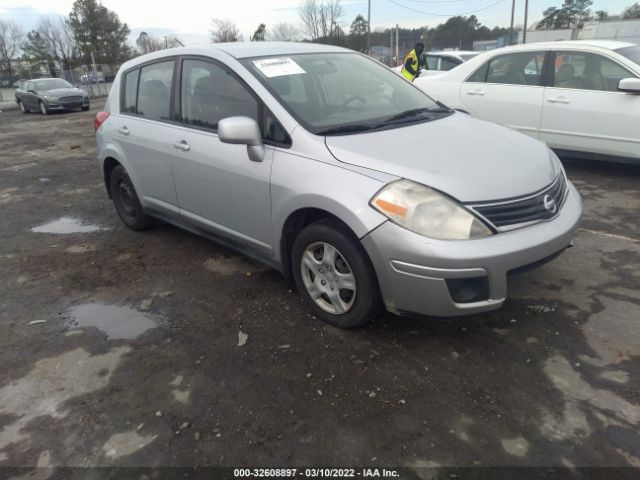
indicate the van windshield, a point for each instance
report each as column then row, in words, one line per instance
column 342, row 93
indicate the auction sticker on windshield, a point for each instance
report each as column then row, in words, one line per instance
column 277, row 67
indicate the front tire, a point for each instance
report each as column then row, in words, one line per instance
column 126, row 200
column 23, row 109
column 43, row 108
column 334, row 275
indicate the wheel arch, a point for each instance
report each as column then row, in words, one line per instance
column 295, row 223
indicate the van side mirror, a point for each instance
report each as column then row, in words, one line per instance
column 631, row 85
column 243, row 131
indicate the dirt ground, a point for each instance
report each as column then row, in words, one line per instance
column 162, row 349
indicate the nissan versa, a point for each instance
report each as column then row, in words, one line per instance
column 334, row 170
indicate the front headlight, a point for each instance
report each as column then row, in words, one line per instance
column 425, row 211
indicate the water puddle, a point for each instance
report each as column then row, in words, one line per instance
column 118, row 322
column 65, row 225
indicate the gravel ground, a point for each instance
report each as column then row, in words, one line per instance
column 161, row 348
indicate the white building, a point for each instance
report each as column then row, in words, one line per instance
column 623, row 30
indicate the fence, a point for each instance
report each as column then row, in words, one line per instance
column 96, row 83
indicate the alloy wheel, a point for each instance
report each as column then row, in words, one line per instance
column 328, row 278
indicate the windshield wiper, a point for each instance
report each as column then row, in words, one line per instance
column 345, row 129
column 415, row 112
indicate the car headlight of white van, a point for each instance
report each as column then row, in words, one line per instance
column 427, row 212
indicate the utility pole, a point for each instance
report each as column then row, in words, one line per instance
column 513, row 12
column 526, row 16
column 397, row 49
column 391, row 49
column 369, row 29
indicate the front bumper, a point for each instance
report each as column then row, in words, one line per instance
column 66, row 106
column 415, row 273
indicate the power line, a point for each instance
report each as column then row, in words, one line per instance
column 448, row 14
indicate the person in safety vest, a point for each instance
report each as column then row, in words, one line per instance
column 411, row 66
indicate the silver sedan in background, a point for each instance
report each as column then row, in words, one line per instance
column 312, row 159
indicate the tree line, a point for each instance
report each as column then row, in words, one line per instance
column 90, row 33
column 574, row 14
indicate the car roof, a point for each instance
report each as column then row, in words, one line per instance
column 606, row 44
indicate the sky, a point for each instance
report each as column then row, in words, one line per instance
column 190, row 20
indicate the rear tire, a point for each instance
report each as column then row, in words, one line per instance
column 84, row 109
column 43, row 108
column 23, row 109
column 334, row 275
column 126, row 200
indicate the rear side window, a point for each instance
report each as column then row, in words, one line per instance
column 209, row 94
column 154, row 90
column 523, row 68
column 130, row 91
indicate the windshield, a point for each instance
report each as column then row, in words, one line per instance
column 339, row 93
column 632, row 53
column 51, row 84
column 468, row 56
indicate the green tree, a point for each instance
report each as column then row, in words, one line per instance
column 632, row 12
column 36, row 51
column 358, row 34
column 572, row 13
column 602, row 15
column 99, row 30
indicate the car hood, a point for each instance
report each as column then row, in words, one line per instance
column 469, row 159
column 63, row 92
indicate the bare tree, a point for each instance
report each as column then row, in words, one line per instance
column 284, row 32
column 11, row 35
column 309, row 12
column 224, row 31
column 58, row 36
column 320, row 17
column 148, row 43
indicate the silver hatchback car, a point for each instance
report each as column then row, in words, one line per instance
column 334, row 170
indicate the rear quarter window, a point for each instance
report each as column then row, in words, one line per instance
column 130, row 93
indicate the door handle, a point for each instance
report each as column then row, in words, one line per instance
column 564, row 100
column 476, row 92
column 182, row 145
column 123, row 131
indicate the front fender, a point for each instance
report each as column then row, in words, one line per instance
column 300, row 183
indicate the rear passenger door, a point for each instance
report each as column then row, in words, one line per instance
column 583, row 109
column 219, row 188
column 508, row 89
column 143, row 133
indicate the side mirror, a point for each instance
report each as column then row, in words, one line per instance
column 242, row 131
column 31, row 90
column 631, row 85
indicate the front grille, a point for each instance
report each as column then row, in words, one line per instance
column 510, row 214
column 70, row 99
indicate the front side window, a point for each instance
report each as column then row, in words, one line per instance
column 632, row 53
column 154, row 90
column 209, row 93
column 341, row 93
column 587, row 71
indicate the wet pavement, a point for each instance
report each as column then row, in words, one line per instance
column 164, row 349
